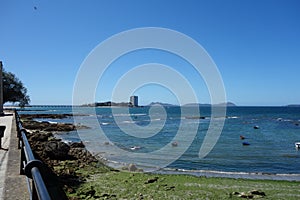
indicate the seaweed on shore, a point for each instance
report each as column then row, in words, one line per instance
column 64, row 163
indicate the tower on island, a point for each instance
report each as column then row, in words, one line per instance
column 134, row 101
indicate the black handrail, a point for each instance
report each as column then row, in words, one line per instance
column 30, row 166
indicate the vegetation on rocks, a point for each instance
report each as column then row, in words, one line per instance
column 63, row 162
column 129, row 185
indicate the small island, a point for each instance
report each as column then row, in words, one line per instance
column 133, row 102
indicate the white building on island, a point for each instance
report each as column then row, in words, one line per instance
column 134, row 101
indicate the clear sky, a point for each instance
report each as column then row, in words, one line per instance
column 254, row 43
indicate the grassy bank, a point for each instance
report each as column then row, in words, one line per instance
column 126, row 185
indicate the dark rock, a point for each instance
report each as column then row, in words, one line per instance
column 249, row 195
column 170, row 188
column 132, row 167
column 37, row 136
column 49, row 116
column 81, row 154
column 57, row 150
column 45, row 126
column 77, row 145
column 235, row 193
column 246, row 143
column 257, row 192
column 151, row 180
column 70, row 190
column 108, row 196
column 246, row 196
column 91, row 192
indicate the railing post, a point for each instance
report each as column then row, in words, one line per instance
column 22, row 165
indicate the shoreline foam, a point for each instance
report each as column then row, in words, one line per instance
column 204, row 173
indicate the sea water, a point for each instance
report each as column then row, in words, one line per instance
column 271, row 150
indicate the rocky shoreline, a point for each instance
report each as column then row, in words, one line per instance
column 31, row 124
column 64, row 162
column 72, row 172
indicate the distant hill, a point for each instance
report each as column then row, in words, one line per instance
column 293, row 105
column 162, row 104
column 228, row 104
column 197, row 104
column 107, row 104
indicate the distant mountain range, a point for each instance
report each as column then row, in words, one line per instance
column 161, row 104
column 293, row 105
column 126, row 104
column 228, row 104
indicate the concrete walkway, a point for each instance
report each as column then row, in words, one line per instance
column 12, row 184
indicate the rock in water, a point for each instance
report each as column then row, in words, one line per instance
column 132, row 167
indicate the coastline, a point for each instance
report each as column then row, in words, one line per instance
column 206, row 173
column 86, row 174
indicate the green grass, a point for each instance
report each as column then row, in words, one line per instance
column 126, row 185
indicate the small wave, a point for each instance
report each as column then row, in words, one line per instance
column 158, row 119
column 233, row 117
column 195, row 117
column 45, row 121
column 283, row 120
column 128, row 115
column 247, row 175
column 128, row 122
column 207, row 173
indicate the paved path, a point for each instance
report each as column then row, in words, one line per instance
column 12, row 184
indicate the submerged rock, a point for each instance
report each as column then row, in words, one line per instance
column 256, row 127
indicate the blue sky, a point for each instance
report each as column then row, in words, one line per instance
column 254, row 43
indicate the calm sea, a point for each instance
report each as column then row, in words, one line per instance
column 146, row 137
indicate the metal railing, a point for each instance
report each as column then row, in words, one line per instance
column 30, row 166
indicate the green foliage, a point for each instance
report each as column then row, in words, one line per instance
column 14, row 90
column 126, row 185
